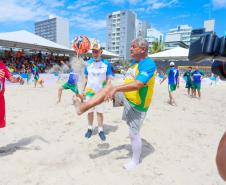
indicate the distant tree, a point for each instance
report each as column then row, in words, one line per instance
column 156, row 47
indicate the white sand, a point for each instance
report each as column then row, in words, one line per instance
column 44, row 144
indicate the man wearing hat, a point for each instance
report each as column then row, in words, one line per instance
column 173, row 82
column 97, row 73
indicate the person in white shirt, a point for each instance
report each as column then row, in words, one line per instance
column 97, row 73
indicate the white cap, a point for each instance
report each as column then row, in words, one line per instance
column 172, row 64
column 95, row 45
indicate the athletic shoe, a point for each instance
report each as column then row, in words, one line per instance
column 102, row 136
column 89, row 133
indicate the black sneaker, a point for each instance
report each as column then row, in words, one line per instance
column 102, row 136
column 88, row 134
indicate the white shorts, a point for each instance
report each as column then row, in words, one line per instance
column 98, row 108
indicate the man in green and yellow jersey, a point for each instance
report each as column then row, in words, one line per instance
column 135, row 95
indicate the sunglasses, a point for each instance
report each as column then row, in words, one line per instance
column 95, row 51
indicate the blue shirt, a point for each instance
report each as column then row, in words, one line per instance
column 35, row 71
column 197, row 75
column 146, row 69
column 173, row 74
column 73, row 78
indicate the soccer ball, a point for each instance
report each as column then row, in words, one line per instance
column 81, row 45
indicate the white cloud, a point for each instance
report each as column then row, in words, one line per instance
column 14, row 11
column 80, row 3
column 141, row 9
column 53, row 3
column 157, row 4
column 219, row 3
column 133, row 1
column 27, row 10
column 153, row 4
column 182, row 16
column 88, row 23
column 88, row 8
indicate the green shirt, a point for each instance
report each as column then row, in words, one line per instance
column 187, row 75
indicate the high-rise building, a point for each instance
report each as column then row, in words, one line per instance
column 55, row 29
column 208, row 29
column 176, row 36
column 209, row 25
column 153, row 35
column 120, row 32
column 141, row 28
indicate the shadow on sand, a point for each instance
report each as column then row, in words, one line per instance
column 20, row 145
column 107, row 129
column 147, row 149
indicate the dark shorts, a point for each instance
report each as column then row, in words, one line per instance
column 188, row 85
column 132, row 116
column 74, row 88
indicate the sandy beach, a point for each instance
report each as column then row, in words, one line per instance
column 44, row 144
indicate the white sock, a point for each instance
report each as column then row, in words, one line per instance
column 100, row 129
column 90, row 127
column 130, row 165
column 136, row 150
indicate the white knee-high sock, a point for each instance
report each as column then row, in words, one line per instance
column 136, row 146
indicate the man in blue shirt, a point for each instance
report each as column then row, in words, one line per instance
column 173, row 82
column 196, row 77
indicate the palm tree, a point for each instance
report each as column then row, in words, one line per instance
column 156, row 47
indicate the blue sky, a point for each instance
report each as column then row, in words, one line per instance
column 88, row 17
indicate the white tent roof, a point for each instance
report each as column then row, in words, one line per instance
column 28, row 40
column 175, row 53
column 106, row 53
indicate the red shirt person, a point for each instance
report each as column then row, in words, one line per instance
column 5, row 74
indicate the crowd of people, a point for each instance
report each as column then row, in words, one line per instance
column 21, row 62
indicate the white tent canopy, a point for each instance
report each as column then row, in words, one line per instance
column 175, row 53
column 27, row 40
column 106, row 54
